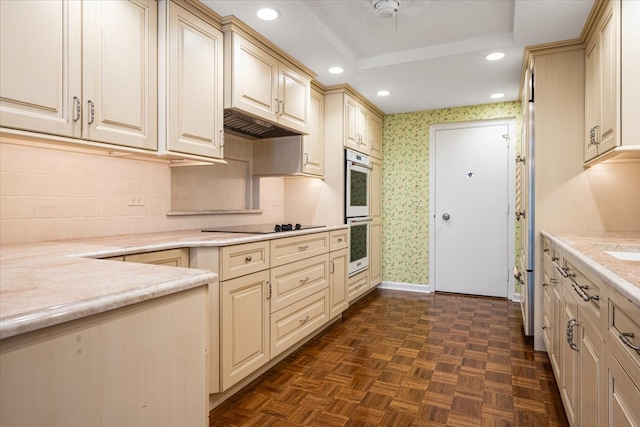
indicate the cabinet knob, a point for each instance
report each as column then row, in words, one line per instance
column 248, row 258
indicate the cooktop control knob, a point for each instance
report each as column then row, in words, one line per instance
column 298, row 227
column 277, row 228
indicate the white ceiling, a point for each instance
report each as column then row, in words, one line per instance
column 435, row 57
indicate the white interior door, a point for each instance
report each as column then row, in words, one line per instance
column 470, row 209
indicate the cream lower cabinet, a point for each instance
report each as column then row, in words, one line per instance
column 358, row 284
column 598, row 373
column 273, row 294
column 244, row 326
column 338, row 270
column 171, row 257
column 191, row 101
column 140, row 365
column 96, row 73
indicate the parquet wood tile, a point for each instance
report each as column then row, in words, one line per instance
column 402, row 359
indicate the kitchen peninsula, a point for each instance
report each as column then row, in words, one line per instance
column 95, row 334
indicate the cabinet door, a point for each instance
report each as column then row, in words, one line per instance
column 590, row 356
column 244, row 327
column 195, row 85
column 592, row 100
column 171, row 257
column 557, row 329
column 622, row 396
column 375, row 252
column 254, row 74
column 338, row 292
column 40, row 82
column 313, row 161
column 119, row 60
column 569, row 360
column 608, row 40
column 374, row 132
column 362, row 127
column 293, row 95
column 375, row 189
column 351, row 137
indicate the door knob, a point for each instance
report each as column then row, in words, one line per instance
column 446, row 216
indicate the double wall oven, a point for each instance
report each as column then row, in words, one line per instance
column 357, row 209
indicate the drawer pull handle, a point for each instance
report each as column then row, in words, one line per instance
column 305, row 320
column 561, row 271
column 303, row 247
column 553, row 280
column 624, row 337
column 248, row 258
column 545, row 327
column 304, row 279
column 546, row 250
column 580, row 290
column 339, row 239
column 544, row 285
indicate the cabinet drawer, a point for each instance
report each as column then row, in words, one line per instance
column 290, row 249
column 358, row 285
column 588, row 290
column 171, row 257
column 338, row 239
column 292, row 282
column 291, row 324
column 623, row 320
column 247, row 258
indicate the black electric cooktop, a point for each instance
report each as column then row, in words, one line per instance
column 261, row 228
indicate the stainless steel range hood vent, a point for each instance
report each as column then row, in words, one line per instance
column 254, row 128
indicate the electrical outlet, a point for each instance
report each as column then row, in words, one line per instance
column 136, row 200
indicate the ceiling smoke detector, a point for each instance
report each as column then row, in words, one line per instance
column 385, row 8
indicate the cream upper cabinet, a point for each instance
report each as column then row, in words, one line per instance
column 81, row 69
column 313, row 162
column 119, row 65
column 262, row 83
column 44, row 98
column 612, row 89
column 353, row 120
column 192, row 99
column 374, row 134
column 251, row 79
column 601, row 108
column 294, row 155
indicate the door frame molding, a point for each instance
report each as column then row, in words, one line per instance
column 511, row 228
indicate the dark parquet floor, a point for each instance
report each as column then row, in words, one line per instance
column 407, row 359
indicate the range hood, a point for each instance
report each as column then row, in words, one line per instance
column 246, row 125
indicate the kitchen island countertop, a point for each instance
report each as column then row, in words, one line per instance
column 48, row 283
column 590, row 247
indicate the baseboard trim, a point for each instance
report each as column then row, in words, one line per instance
column 407, row 287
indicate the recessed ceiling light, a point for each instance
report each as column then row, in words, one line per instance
column 268, row 14
column 383, row 93
column 336, row 70
column 494, row 56
column 497, row 95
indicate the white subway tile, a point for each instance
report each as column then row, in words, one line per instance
column 24, row 207
column 70, row 207
column 48, row 208
column 91, row 207
column 11, row 231
column 36, row 230
column 5, row 208
column 80, row 187
column 80, row 228
column 36, row 185
column 59, row 229
column 12, row 185
column 59, row 186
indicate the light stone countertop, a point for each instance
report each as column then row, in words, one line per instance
column 589, row 247
column 45, row 284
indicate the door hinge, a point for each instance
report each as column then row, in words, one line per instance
column 507, row 138
column 508, row 208
column 269, row 283
column 520, row 159
column 508, row 275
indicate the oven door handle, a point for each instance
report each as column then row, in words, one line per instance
column 358, row 220
column 354, row 165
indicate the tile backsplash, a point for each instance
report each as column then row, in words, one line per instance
column 51, row 194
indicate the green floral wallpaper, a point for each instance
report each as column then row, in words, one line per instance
column 405, row 181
